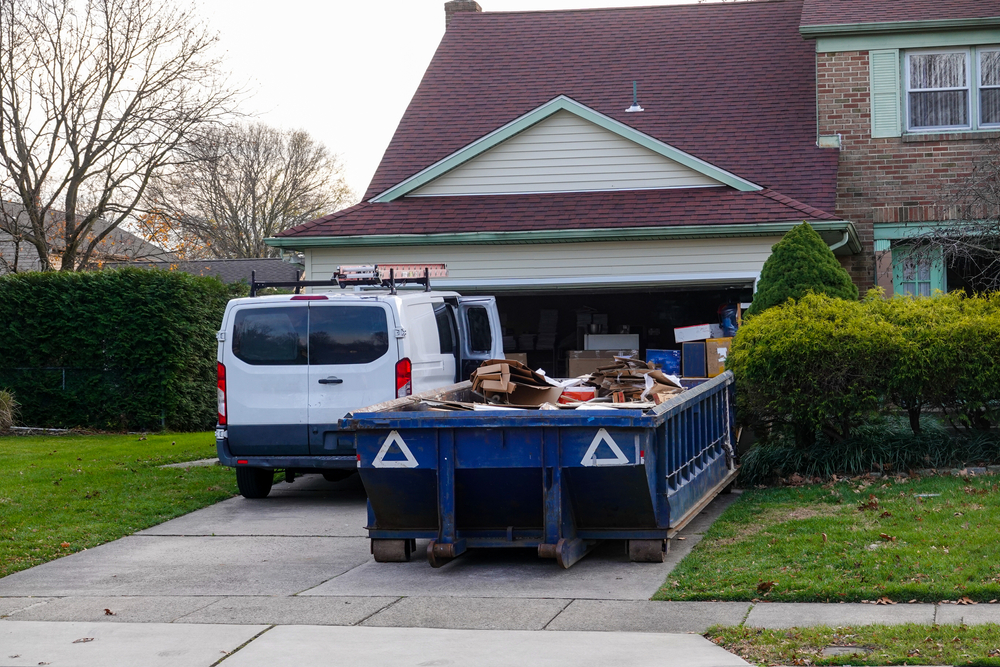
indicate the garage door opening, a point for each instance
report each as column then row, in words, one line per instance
column 547, row 327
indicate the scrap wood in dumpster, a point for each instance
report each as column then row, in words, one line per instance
column 627, row 383
column 633, row 380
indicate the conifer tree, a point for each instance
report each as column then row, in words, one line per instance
column 800, row 263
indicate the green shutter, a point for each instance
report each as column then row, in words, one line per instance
column 918, row 273
column 885, row 96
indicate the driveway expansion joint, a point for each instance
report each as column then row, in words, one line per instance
column 380, row 610
column 241, row 646
column 568, row 603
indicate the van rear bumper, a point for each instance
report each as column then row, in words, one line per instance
column 227, row 458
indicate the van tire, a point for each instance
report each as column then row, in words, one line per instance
column 254, row 482
column 337, row 475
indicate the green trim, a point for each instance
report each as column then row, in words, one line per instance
column 896, row 26
column 567, row 236
column 924, row 40
column 561, row 103
column 893, row 231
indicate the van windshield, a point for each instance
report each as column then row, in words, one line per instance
column 347, row 334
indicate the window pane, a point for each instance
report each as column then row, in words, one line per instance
column 271, row 336
column 990, row 107
column 937, row 70
column 347, row 335
column 924, row 289
column 924, row 270
column 480, row 337
column 942, row 109
column 989, row 68
column 909, row 289
column 442, row 313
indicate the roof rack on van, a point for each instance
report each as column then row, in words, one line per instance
column 346, row 276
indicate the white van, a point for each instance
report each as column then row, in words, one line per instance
column 291, row 366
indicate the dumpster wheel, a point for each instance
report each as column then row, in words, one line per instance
column 392, row 551
column 647, row 551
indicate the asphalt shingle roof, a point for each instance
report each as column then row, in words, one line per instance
column 840, row 12
column 730, row 83
column 576, row 210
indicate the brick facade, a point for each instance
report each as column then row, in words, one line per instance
column 899, row 179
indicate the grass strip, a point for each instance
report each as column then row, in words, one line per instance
column 62, row 494
column 908, row 644
column 859, row 540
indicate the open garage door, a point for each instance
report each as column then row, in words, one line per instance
column 548, row 328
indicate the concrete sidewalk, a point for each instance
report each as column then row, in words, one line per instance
column 178, row 645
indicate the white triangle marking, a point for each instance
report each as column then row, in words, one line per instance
column 394, row 438
column 590, row 458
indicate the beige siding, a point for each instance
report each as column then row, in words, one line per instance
column 539, row 266
column 564, row 153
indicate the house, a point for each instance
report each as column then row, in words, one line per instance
column 912, row 89
column 18, row 255
column 631, row 168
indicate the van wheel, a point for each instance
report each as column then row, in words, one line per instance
column 254, row 482
column 337, row 475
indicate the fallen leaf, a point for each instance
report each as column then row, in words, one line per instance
column 887, row 538
column 83, row 640
column 966, row 600
column 65, row 545
column 884, row 600
column 108, row 612
column 765, row 586
column 824, row 537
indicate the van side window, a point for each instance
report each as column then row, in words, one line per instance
column 446, row 327
column 347, row 334
column 270, row 336
column 480, row 338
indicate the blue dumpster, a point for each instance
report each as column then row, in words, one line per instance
column 556, row 480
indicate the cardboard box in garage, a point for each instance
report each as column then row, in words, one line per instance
column 716, row 351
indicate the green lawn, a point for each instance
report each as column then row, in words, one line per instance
column 63, row 494
column 852, row 541
column 886, row 645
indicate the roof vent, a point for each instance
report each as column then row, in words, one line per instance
column 635, row 100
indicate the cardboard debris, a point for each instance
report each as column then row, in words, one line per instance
column 505, row 381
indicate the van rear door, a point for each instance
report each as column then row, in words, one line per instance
column 266, row 384
column 479, row 329
column 352, row 363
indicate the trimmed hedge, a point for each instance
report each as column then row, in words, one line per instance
column 117, row 349
column 825, row 365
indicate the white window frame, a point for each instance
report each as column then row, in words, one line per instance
column 979, row 84
column 970, row 76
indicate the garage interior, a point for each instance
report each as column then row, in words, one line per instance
column 547, row 326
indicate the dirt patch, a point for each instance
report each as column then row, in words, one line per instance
column 776, row 516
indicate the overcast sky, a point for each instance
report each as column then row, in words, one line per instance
column 341, row 70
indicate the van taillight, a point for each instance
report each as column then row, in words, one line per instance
column 404, row 378
column 221, row 385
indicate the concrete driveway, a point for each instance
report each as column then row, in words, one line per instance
column 301, row 558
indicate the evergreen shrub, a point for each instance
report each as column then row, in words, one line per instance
column 116, row 350
column 800, row 263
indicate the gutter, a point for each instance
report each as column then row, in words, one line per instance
column 571, row 236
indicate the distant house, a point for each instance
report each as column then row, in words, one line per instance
column 18, row 255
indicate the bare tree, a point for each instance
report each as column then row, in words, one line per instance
column 247, row 182
column 969, row 239
column 96, row 96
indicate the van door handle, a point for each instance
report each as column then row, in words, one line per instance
column 331, row 380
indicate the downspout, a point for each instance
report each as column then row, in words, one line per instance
column 841, row 243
